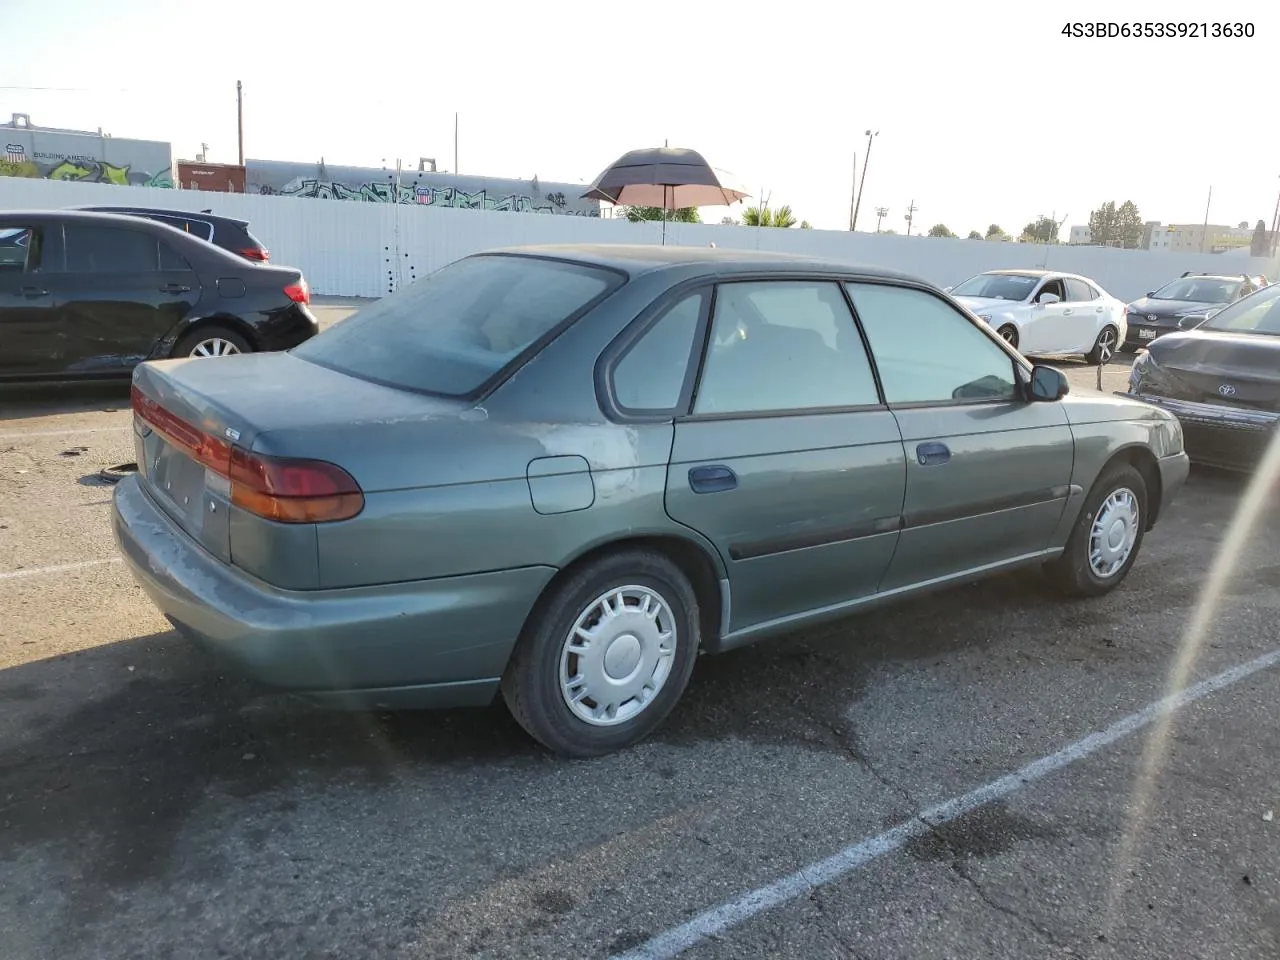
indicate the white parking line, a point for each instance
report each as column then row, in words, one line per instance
column 21, row 434
column 58, row 568
column 675, row 941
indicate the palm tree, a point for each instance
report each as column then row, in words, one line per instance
column 764, row 217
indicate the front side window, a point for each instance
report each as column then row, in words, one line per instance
column 783, row 345
column 650, row 376
column 94, row 249
column 927, row 351
column 453, row 330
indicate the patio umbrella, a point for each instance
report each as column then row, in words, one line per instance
column 668, row 177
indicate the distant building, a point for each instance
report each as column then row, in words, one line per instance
column 51, row 153
column 1195, row 237
column 420, row 187
column 210, row 177
column 1080, row 235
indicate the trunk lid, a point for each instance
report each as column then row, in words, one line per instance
column 1224, row 368
column 206, row 407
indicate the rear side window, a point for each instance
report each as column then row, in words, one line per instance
column 452, row 331
column 651, row 374
column 109, row 250
column 17, row 249
column 1078, row 291
column 171, row 259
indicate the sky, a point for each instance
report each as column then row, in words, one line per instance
column 986, row 113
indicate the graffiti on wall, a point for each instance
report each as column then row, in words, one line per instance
column 385, row 191
column 16, row 162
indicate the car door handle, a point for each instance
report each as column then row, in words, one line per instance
column 712, row 479
column 1066, row 312
column 930, row 454
column 33, row 292
column 175, row 288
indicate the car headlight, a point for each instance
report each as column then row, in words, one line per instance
column 985, row 316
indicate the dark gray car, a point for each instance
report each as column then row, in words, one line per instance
column 562, row 472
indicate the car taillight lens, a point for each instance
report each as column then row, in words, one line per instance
column 286, row 490
column 298, row 292
column 255, row 253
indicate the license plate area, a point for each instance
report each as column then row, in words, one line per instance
column 195, row 497
column 1146, row 333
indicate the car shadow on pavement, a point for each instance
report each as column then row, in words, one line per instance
column 31, row 401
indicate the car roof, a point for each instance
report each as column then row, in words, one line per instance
column 163, row 211
column 642, row 258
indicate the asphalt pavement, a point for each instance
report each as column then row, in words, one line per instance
column 960, row 777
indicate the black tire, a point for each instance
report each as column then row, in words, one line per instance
column 188, row 344
column 531, row 683
column 1009, row 333
column 1072, row 572
column 1105, row 347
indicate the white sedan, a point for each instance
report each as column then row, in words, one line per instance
column 1040, row 312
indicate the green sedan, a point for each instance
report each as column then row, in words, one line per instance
column 560, row 473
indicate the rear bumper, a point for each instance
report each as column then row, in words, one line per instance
column 287, row 328
column 432, row 643
column 1233, row 438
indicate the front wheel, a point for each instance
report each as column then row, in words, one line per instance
column 1009, row 334
column 605, row 657
column 1106, row 539
column 1104, row 348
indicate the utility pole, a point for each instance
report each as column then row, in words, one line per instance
column 455, row 141
column 203, row 154
column 911, row 212
column 881, row 213
column 1275, row 227
column 240, row 120
column 853, row 191
column 1204, row 234
column 866, row 160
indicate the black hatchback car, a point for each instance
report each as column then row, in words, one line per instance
column 229, row 233
column 1191, row 297
column 88, row 296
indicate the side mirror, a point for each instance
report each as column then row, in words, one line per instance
column 1047, row 298
column 1048, row 384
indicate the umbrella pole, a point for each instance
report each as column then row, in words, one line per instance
column 665, row 202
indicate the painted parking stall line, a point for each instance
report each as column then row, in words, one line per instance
column 673, row 942
column 24, row 434
column 57, row 568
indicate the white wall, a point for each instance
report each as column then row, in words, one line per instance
column 366, row 249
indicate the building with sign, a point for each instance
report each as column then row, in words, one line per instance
column 51, row 153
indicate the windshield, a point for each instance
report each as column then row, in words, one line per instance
column 996, row 286
column 1199, row 290
column 1257, row 313
column 453, row 330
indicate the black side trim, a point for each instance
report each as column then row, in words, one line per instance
column 977, row 508
column 814, row 538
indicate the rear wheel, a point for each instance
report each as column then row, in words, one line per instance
column 212, row 341
column 605, row 656
column 1104, row 348
column 1009, row 334
column 1107, row 536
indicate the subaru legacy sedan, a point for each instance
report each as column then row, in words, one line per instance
column 557, row 474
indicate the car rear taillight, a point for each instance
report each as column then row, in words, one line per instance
column 286, row 490
column 255, row 253
column 298, row 292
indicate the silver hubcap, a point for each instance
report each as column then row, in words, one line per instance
column 1010, row 335
column 1114, row 532
column 214, row 347
column 618, row 655
column 1106, row 345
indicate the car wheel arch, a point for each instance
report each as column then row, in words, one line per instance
column 696, row 561
column 213, row 320
column 1144, row 461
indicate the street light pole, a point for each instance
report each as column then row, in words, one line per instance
column 865, row 160
column 853, row 191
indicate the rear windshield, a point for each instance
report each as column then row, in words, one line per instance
column 453, row 330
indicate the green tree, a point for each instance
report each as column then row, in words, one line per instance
column 764, row 217
column 1042, row 230
column 940, row 230
column 729, row 221
column 682, row 215
column 806, row 225
column 1113, row 226
column 995, row 232
column 1258, row 245
column 974, row 235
